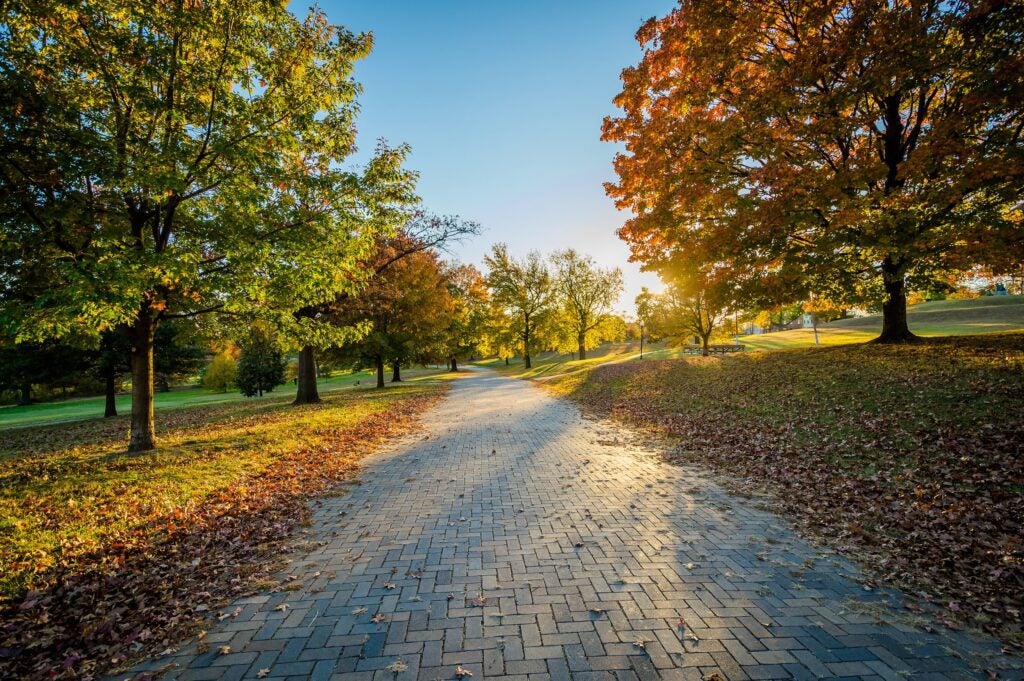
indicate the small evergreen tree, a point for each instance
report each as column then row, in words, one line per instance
column 261, row 367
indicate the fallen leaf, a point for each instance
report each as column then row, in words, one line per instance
column 397, row 667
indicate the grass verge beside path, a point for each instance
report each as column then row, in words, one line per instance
column 547, row 365
column 106, row 555
column 83, row 408
column 909, row 457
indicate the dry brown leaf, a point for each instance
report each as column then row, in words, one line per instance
column 397, row 667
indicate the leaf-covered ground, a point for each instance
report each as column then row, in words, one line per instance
column 106, row 555
column 909, row 458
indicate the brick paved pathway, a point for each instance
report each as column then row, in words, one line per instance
column 524, row 542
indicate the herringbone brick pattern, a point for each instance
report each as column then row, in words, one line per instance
column 517, row 540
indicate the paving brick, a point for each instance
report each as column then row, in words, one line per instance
column 492, row 498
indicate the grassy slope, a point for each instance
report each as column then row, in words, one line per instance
column 911, row 455
column 990, row 314
column 92, row 407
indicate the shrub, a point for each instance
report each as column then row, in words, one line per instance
column 220, row 373
column 261, row 367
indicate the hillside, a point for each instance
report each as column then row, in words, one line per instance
column 990, row 314
column 906, row 456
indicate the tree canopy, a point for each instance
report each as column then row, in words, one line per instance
column 405, row 310
column 524, row 291
column 587, row 293
column 162, row 161
column 847, row 148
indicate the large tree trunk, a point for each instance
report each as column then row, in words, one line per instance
column 143, row 435
column 396, row 372
column 705, row 342
column 455, row 364
column 581, row 341
column 110, row 409
column 506, row 361
column 894, row 309
column 306, row 380
column 26, row 394
column 380, row 371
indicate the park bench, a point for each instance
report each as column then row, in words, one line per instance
column 716, row 349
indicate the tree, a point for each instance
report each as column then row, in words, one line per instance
column 691, row 305
column 176, row 354
column 220, row 374
column 850, row 148
column 819, row 309
column 470, row 311
column 420, row 232
column 499, row 339
column 24, row 365
column 587, row 293
column 112, row 361
column 404, row 310
column 261, row 366
column 166, row 161
column 524, row 289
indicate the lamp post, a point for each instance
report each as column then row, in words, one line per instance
column 641, row 340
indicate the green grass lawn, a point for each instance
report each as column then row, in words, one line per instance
column 92, row 407
column 990, row 314
column 97, row 544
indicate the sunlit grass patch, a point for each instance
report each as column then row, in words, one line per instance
column 912, row 454
column 70, row 489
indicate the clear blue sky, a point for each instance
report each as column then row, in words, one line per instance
column 502, row 103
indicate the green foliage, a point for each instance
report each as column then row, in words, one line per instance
column 467, row 330
column 50, row 364
column 406, row 309
column 523, row 291
column 193, row 149
column 586, row 294
column 170, row 160
column 219, row 376
column 261, row 368
column 176, row 351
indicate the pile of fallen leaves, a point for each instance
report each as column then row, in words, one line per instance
column 154, row 582
column 911, row 457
